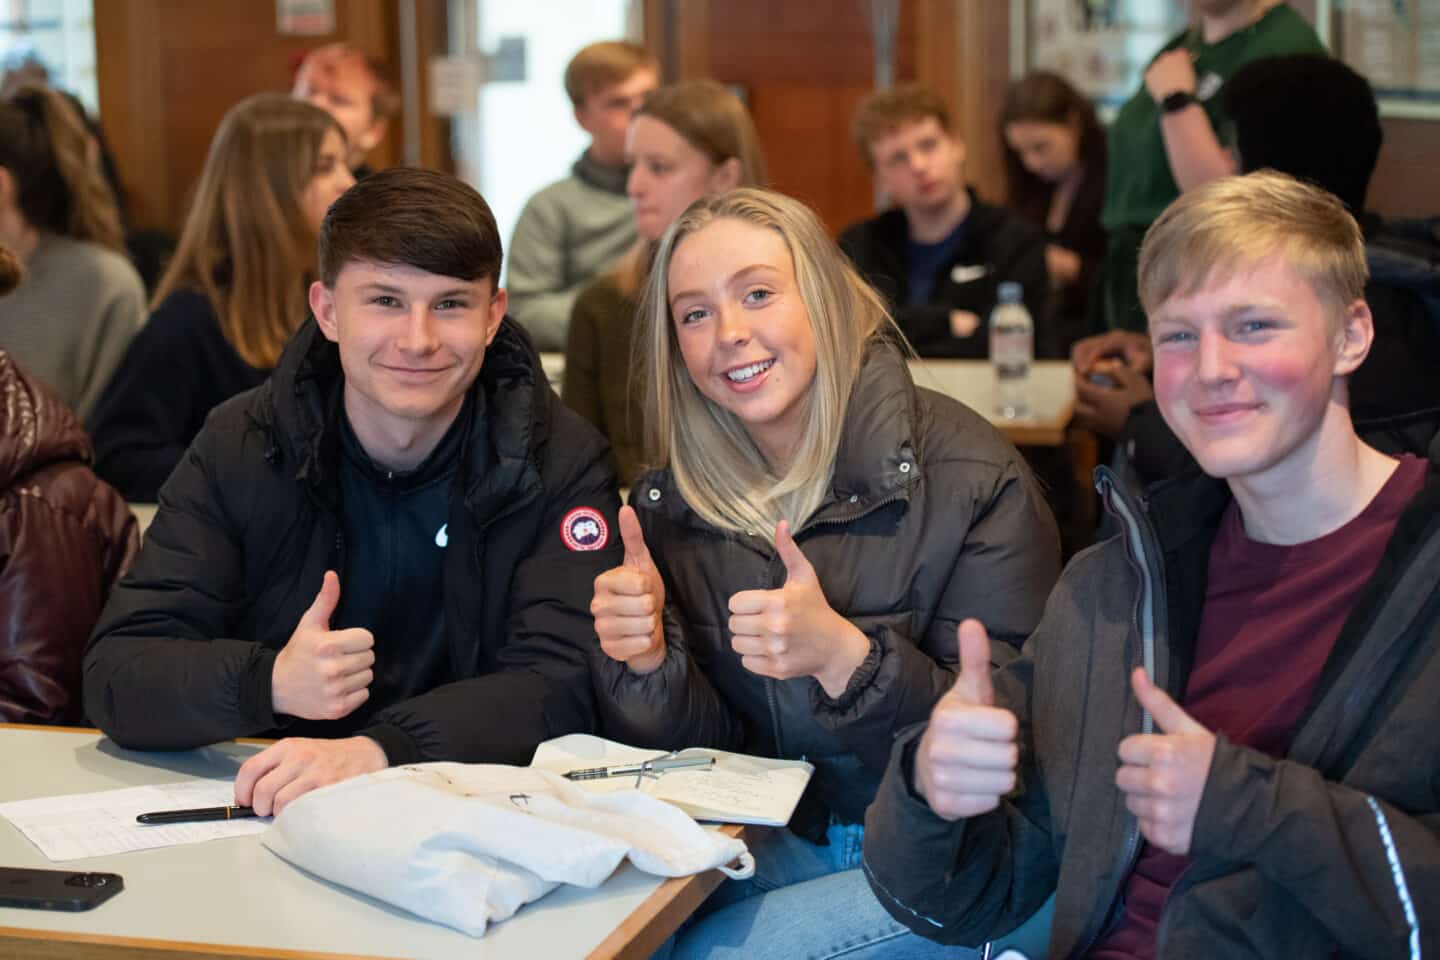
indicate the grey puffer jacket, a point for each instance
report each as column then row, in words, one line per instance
column 1333, row 850
column 932, row 517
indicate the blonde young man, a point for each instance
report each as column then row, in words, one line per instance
column 939, row 255
column 1222, row 741
column 576, row 228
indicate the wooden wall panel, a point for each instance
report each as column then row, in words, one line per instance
column 170, row 69
column 1405, row 184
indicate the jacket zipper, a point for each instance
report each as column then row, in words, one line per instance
column 1144, row 625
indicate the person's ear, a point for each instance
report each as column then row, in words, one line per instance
column 322, row 304
column 498, row 303
column 8, row 190
column 1353, row 339
column 726, row 176
column 959, row 150
column 372, row 136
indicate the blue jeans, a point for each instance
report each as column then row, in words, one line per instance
column 805, row 901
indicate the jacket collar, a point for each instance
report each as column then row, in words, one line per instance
column 610, row 179
column 877, row 457
column 509, row 422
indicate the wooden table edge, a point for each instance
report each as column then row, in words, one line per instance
column 96, row 731
column 649, row 925
column 55, row 944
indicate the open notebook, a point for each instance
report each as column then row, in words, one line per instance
column 737, row 789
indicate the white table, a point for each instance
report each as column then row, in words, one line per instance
column 972, row 382
column 234, row 898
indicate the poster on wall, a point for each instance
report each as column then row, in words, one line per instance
column 1100, row 46
column 1396, row 44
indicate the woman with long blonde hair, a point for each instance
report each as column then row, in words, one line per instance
column 798, row 564
column 81, row 302
column 234, row 292
column 688, row 140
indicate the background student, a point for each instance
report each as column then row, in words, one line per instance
column 1055, row 178
column 233, row 293
column 577, row 227
column 352, row 87
column 1166, row 138
column 80, row 303
column 796, row 567
column 688, row 140
column 65, row 538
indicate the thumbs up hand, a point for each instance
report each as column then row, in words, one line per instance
column 323, row 674
column 628, row 601
column 1163, row 774
column 793, row 631
column 967, row 756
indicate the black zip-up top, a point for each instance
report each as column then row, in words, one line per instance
column 1333, row 850
column 253, row 516
column 932, row 517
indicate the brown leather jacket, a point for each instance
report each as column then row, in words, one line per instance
column 65, row 538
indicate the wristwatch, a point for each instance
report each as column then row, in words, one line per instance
column 1178, row 100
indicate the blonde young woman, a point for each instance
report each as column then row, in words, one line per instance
column 688, row 140
column 70, row 319
column 234, row 291
column 797, row 567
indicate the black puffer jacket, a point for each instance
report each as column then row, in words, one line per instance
column 249, row 522
column 932, row 517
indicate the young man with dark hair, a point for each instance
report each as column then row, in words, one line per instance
column 576, row 228
column 1222, row 740
column 940, row 255
column 389, row 545
column 354, row 89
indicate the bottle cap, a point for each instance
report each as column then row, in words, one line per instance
column 1010, row 292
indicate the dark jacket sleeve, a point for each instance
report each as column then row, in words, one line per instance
column 163, row 670
column 1365, row 870
column 676, row 706
column 542, row 687
column 970, row 880
column 581, row 388
column 62, row 547
column 1002, row 574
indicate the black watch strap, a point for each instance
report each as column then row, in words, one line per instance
column 1178, row 100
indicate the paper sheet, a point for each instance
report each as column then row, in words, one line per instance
column 738, row 789
column 100, row 824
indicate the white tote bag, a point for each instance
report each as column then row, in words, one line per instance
column 467, row 845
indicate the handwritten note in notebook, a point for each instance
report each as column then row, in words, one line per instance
column 737, row 789
column 99, row 824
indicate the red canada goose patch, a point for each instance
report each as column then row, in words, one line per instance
column 584, row 528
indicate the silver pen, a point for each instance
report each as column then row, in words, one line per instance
column 640, row 768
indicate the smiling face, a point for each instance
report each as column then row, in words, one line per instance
column 1247, row 369
column 411, row 344
column 743, row 330
column 331, row 178
column 667, row 174
column 917, row 165
column 1050, row 151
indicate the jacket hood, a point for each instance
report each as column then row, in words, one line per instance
column 877, row 452
column 511, row 409
column 36, row 428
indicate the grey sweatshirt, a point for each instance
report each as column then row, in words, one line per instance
column 568, row 233
column 71, row 318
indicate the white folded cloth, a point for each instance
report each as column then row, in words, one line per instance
column 467, row 845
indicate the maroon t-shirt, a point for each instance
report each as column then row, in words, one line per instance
column 1265, row 605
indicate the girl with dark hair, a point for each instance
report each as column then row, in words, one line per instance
column 1055, row 175
column 81, row 302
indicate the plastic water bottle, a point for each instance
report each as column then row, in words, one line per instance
column 1012, row 350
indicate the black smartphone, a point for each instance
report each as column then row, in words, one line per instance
column 56, row 889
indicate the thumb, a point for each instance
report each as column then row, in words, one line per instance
column 1169, row 716
column 974, row 684
column 636, row 553
column 796, row 566
column 325, row 602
